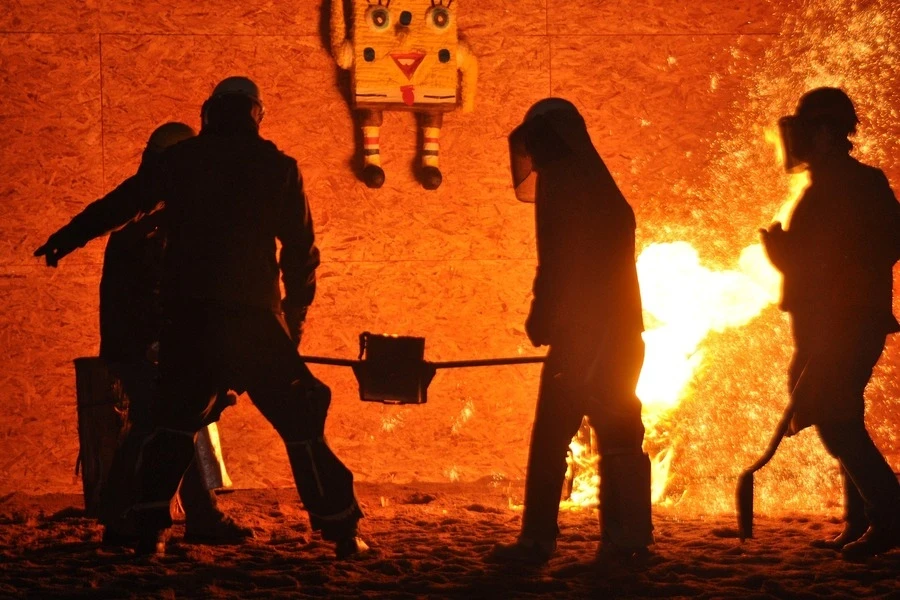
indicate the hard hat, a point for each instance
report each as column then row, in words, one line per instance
column 241, row 86
column 167, row 135
column 235, row 86
column 830, row 105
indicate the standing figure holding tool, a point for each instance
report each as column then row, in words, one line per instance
column 837, row 259
column 587, row 309
column 228, row 195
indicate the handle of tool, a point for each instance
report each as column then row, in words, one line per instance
column 487, row 362
column 780, row 430
column 324, row 360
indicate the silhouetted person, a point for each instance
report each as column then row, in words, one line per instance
column 130, row 324
column 837, row 259
column 587, row 308
column 228, row 195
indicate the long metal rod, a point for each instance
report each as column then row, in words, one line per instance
column 487, row 362
column 451, row 364
column 324, row 360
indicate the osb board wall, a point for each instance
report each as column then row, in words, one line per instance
column 676, row 96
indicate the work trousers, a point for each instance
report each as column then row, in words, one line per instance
column 205, row 348
column 580, row 380
column 828, row 375
column 137, row 380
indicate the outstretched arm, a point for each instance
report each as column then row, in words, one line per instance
column 131, row 199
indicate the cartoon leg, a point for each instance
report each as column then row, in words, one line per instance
column 431, row 135
column 372, row 174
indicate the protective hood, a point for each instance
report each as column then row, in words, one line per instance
column 552, row 130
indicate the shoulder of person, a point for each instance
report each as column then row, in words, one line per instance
column 270, row 147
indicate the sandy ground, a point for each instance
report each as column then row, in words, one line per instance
column 428, row 541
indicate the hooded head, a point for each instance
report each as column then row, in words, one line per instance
column 552, row 130
column 822, row 121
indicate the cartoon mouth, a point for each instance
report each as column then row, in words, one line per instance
column 408, row 62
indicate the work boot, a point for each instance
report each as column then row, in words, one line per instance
column 851, row 533
column 350, row 546
column 525, row 550
column 221, row 532
column 877, row 539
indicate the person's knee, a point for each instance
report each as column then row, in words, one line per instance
column 309, row 410
column 619, row 428
column 839, row 437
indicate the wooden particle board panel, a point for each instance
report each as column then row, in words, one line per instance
column 66, row 16
column 50, row 318
column 52, row 140
column 629, row 17
column 207, row 17
column 657, row 111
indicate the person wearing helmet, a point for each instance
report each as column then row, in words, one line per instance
column 130, row 323
column 587, row 309
column 837, row 260
column 228, row 196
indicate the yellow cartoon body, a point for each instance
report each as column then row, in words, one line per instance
column 404, row 55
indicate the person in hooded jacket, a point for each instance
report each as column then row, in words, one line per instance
column 130, row 323
column 587, row 308
column 837, row 260
column 228, row 195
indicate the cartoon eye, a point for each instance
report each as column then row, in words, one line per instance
column 380, row 18
column 439, row 17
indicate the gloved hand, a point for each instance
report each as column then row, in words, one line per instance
column 775, row 242
column 58, row 245
column 295, row 317
column 536, row 328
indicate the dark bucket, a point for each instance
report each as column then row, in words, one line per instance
column 102, row 419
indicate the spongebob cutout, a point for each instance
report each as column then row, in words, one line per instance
column 404, row 55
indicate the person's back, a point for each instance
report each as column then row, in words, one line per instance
column 845, row 234
column 229, row 195
column 586, row 249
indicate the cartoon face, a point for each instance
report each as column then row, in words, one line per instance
column 405, row 54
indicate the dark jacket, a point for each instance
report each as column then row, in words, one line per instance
column 842, row 243
column 130, row 308
column 586, row 286
column 227, row 199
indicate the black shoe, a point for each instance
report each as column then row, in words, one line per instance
column 431, row 178
column 850, row 534
column 524, row 550
column 373, row 176
column 877, row 539
column 223, row 532
column 351, row 546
